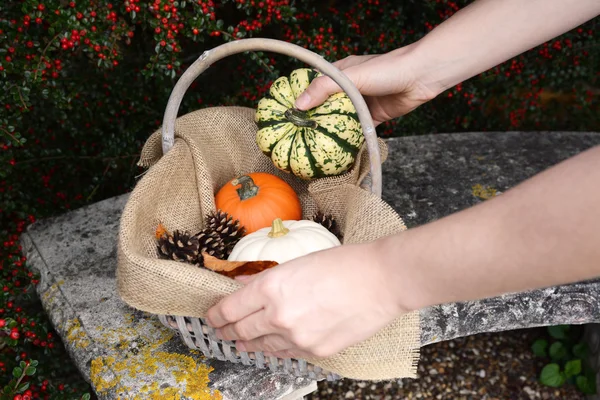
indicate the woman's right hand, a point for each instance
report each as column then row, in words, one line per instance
column 388, row 82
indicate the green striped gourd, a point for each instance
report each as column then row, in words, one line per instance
column 319, row 142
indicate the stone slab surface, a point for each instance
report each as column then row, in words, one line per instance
column 128, row 354
column 125, row 353
column 429, row 177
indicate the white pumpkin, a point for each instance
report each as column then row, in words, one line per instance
column 283, row 241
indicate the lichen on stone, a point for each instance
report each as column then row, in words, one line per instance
column 484, row 192
column 137, row 358
column 75, row 334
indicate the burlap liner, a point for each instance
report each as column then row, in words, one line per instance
column 213, row 146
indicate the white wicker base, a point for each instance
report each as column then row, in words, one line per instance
column 198, row 335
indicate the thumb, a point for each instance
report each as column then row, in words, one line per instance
column 316, row 93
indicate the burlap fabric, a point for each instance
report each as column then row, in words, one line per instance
column 213, row 146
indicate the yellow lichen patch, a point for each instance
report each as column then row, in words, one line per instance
column 136, row 354
column 51, row 292
column 192, row 380
column 102, row 377
column 76, row 334
column 484, row 192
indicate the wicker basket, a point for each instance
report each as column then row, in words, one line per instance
column 195, row 333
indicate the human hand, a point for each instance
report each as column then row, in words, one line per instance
column 389, row 83
column 310, row 307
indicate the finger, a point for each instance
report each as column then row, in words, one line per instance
column 316, row 93
column 291, row 353
column 245, row 279
column 249, row 328
column 323, row 87
column 268, row 343
column 351, row 61
column 236, row 306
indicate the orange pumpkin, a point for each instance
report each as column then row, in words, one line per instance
column 257, row 199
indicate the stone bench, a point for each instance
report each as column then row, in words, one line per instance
column 129, row 354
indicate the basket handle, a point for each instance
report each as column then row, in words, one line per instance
column 289, row 49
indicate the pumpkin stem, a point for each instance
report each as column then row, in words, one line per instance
column 299, row 118
column 278, row 229
column 248, row 188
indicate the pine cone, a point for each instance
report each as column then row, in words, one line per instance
column 179, row 246
column 211, row 243
column 328, row 222
column 228, row 229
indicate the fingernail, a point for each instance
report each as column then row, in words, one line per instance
column 303, row 101
column 240, row 346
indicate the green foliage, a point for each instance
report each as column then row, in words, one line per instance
column 84, row 83
column 552, row 376
column 540, row 347
column 567, row 359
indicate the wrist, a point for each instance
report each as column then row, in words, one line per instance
column 418, row 67
column 432, row 72
column 397, row 257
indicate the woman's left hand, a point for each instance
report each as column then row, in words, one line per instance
column 311, row 307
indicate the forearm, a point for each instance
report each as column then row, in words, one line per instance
column 543, row 232
column 489, row 32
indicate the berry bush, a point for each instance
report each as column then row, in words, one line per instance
column 84, row 82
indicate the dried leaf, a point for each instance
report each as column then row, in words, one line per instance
column 160, row 231
column 236, row 268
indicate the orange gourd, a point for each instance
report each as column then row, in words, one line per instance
column 258, row 198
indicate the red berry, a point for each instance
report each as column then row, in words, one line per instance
column 61, row 387
column 2, row 323
column 18, row 397
column 14, row 335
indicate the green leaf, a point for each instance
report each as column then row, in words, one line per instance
column 539, row 347
column 559, row 331
column 17, row 372
column 86, row 396
column 23, row 364
column 34, row 363
column 551, row 376
column 573, row 368
column 587, row 386
column 30, row 371
column 558, row 351
column 23, row 387
column 580, row 350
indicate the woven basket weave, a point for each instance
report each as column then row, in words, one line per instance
column 180, row 294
